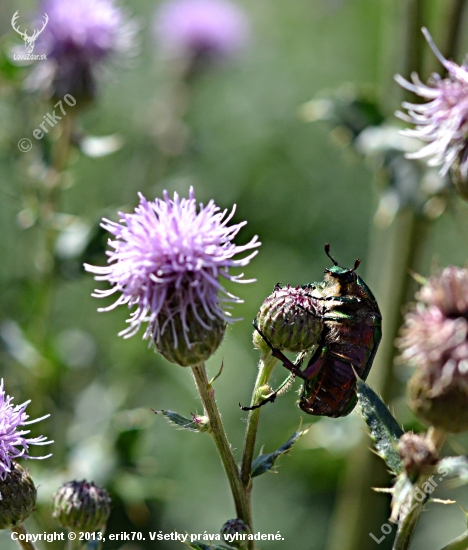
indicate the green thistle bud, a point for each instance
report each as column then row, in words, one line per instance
column 18, row 497
column 291, row 319
column 204, row 340
column 446, row 409
column 81, row 506
column 233, row 531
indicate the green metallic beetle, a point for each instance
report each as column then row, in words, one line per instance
column 352, row 330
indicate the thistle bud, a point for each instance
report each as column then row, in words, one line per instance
column 191, row 340
column 291, row 319
column 18, row 497
column 418, row 454
column 81, row 506
column 234, row 532
column 434, row 339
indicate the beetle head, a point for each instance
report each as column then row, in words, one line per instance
column 344, row 274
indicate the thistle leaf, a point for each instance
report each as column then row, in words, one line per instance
column 454, row 467
column 194, row 424
column 265, row 462
column 384, row 429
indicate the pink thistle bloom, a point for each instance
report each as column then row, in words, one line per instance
column 80, row 39
column 12, row 418
column 167, row 260
column 442, row 121
column 213, row 28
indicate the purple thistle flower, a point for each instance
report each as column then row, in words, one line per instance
column 443, row 120
column 201, row 28
column 81, row 35
column 167, row 260
column 11, row 418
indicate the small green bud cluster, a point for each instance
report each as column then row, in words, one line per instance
column 81, row 506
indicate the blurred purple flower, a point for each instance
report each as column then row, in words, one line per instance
column 11, row 418
column 167, row 259
column 80, row 36
column 443, row 120
column 210, row 29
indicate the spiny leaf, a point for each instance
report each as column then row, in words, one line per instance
column 384, row 429
column 265, row 462
column 194, row 424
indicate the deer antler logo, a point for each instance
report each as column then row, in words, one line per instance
column 29, row 41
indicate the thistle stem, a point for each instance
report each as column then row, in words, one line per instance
column 20, row 530
column 206, row 392
column 267, row 362
column 409, row 522
column 460, row 543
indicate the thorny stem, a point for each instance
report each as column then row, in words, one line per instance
column 21, row 530
column 206, row 392
column 409, row 522
column 264, row 372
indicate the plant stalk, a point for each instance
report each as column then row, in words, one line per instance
column 267, row 362
column 20, row 530
column 206, row 392
column 409, row 522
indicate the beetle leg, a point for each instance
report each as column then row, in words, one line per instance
column 271, row 398
column 287, row 363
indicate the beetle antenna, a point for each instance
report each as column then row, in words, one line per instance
column 356, row 264
column 327, row 252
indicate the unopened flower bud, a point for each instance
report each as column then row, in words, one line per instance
column 434, row 339
column 291, row 319
column 234, row 532
column 18, row 497
column 81, row 506
column 204, row 335
column 418, row 454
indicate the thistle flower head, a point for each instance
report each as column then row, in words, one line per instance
column 167, row 260
column 442, row 121
column 19, row 495
column 13, row 443
column 79, row 37
column 81, row 506
column 290, row 318
column 434, row 339
column 208, row 28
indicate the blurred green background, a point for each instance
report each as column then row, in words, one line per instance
column 296, row 188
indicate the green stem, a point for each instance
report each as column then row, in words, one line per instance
column 409, row 522
column 454, row 28
column 460, row 543
column 50, row 203
column 21, row 530
column 264, row 372
column 206, row 392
